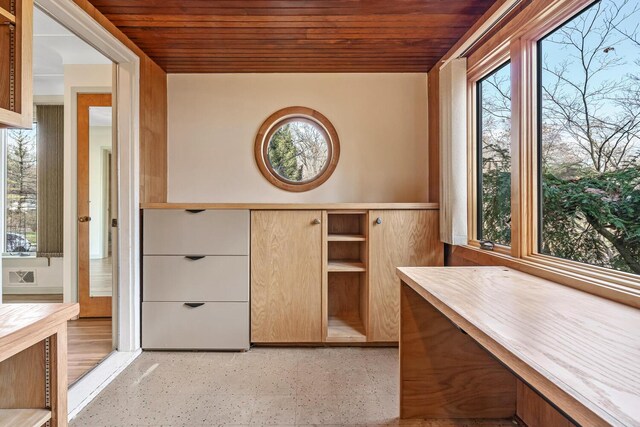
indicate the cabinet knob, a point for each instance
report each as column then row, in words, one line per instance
column 315, row 221
column 378, row 220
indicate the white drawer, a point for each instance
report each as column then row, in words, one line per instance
column 212, row 326
column 211, row 278
column 208, row 232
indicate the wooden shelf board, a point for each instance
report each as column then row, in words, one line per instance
column 346, row 238
column 340, row 266
column 24, row 417
column 345, row 330
column 6, row 16
column 346, row 212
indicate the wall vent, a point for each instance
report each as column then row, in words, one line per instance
column 22, row 277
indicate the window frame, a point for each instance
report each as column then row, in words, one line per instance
column 496, row 60
column 519, row 39
column 477, row 142
column 280, row 118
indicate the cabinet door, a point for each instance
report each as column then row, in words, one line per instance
column 403, row 238
column 286, row 276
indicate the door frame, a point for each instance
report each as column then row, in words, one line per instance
column 126, row 91
column 89, row 306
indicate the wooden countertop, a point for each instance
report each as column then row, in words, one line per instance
column 580, row 351
column 293, row 206
column 22, row 324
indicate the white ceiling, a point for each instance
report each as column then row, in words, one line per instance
column 53, row 47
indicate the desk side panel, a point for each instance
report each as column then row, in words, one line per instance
column 443, row 372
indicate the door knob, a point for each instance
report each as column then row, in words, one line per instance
column 315, row 221
column 378, row 220
column 84, row 218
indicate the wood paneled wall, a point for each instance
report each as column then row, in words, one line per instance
column 153, row 115
column 434, row 133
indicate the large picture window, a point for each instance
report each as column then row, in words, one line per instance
column 494, row 156
column 21, row 192
column 589, row 138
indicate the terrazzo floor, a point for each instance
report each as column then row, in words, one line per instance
column 264, row 386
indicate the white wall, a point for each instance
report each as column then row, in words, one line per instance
column 99, row 141
column 77, row 79
column 381, row 120
column 48, row 275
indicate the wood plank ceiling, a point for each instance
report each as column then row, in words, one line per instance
column 236, row 36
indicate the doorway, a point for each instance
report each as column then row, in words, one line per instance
column 95, row 255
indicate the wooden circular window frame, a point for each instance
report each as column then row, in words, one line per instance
column 281, row 118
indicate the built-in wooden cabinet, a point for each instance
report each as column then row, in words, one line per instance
column 397, row 238
column 16, row 40
column 330, row 276
column 269, row 274
column 286, row 276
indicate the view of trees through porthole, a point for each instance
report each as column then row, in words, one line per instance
column 298, row 151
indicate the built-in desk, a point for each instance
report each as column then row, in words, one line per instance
column 33, row 363
column 475, row 342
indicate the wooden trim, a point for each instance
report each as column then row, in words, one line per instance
column 579, row 277
column 282, row 117
column 433, row 94
column 347, row 207
column 474, row 30
column 89, row 306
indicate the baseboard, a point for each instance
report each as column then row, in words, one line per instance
column 87, row 388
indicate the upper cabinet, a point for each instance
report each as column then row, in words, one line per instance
column 16, row 75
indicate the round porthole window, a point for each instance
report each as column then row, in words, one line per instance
column 297, row 149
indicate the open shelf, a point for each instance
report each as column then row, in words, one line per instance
column 348, row 329
column 24, row 417
column 346, row 238
column 342, row 266
column 346, row 289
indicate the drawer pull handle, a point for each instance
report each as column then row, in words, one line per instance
column 194, row 304
column 194, row 257
column 195, row 211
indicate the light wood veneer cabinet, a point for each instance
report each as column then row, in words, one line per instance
column 286, row 276
column 16, row 40
column 330, row 276
column 397, row 239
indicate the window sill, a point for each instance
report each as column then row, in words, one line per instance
column 586, row 279
column 11, row 256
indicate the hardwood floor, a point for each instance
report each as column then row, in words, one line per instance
column 89, row 340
